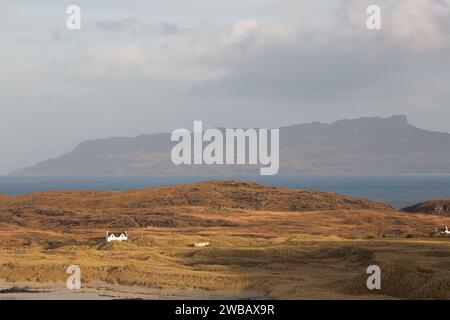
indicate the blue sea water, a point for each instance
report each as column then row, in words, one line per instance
column 397, row 190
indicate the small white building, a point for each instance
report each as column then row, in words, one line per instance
column 446, row 231
column 201, row 244
column 116, row 236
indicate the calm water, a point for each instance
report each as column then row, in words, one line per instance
column 398, row 190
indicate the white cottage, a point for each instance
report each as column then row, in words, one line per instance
column 446, row 231
column 116, row 236
column 201, row 244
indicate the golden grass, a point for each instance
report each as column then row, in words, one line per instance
column 282, row 267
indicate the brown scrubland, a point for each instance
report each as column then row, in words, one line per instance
column 281, row 243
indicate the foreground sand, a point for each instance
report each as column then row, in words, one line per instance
column 106, row 291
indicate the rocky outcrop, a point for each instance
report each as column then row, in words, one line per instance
column 434, row 207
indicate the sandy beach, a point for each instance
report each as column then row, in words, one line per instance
column 104, row 291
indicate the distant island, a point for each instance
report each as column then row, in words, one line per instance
column 365, row 145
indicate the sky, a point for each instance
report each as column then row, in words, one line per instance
column 147, row 66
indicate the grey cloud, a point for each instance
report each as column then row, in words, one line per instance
column 134, row 25
column 168, row 28
column 3, row 6
column 113, row 26
column 348, row 70
column 320, row 74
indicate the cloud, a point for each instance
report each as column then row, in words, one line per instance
column 120, row 25
column 243, row 30
column 178, row 57
column 3, row 6
column 280, row 53
column 341, row 61
column 168, row 28
column 421, row 24
column 413, row 24
column 19, row 68
column 135, row 26
column 282, row 61
column 113, row 60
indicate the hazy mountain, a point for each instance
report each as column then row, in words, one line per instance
column 365, row 145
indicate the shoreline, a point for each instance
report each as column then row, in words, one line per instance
column 105, row 291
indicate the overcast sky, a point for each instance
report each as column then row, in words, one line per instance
column 148, row 66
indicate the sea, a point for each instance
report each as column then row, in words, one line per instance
column 397, row 190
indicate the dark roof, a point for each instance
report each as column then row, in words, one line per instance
column 116, row 233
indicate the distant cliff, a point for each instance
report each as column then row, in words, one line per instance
column 365, row 145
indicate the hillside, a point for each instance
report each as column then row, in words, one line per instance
column 435, row 207
column 214, row 193
column 227, row 205
column 365, row 145
column 171, row 206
